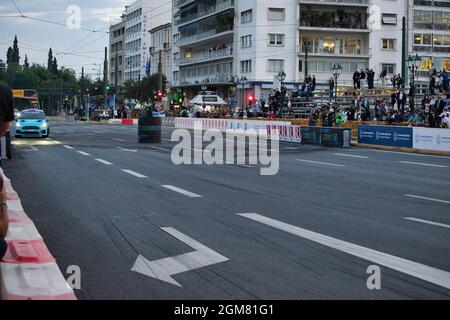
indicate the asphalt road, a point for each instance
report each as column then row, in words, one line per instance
column 101, row 200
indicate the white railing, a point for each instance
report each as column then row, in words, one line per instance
column 200, row 36
column 339, row 1
column 217, row 54
column 213, row 79
column 206, row 11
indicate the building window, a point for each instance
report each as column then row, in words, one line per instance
column 246, row 41
column 175, row 75
column 388, row 44
column 276, row 14
column 246, row 66
column 328, row 45
column 247, row 16
column 389, row 18
column 390, row 68
column 275, row 65
column 276, row 39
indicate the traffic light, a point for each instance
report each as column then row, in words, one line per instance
column 250, row 99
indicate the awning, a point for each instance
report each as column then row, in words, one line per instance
column 211, row 100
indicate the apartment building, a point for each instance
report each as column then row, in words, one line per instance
column 203, row 39
column 117, row 53
column 141, row 17
column 215, row 41
column 161, row 38
column 429, row 37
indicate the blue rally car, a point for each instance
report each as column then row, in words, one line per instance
column 32, row 123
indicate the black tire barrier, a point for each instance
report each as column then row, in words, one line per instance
column 149, row 129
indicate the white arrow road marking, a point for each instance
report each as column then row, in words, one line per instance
column 126, row 150
column 164, row 269
column 438, row 277
column 84, row 153
column 68, row 147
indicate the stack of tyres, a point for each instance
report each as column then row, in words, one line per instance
column 149, row 129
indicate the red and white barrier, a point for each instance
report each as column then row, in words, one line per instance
column 28, row 271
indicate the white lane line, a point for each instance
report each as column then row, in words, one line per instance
column 429, row 222
column 424, row 164
column 403, row 153
column 134, row 173
column 436, row 276
column 350, row 155
column 83, row 153
column 104, row 162
column 426, row 198
column 120, row 140
column 127, row 150
column 182, row 191
column 68, row 147
column 158, row 148
column 318, row 162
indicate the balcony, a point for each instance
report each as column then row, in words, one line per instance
column 364, row 3
column 206, row 11
column 216, row 79
column 344, row 52
column 207, row 56
column 350, row 21
column 181, row 3
column 208, row 35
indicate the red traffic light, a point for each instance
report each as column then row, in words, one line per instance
column 160, row 94
column 251, row 98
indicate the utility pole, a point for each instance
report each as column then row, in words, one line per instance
column 105, row 78
column 116, row 81
column 160, row 76
column 82, row 102
column 404, row 53
column 61, row 84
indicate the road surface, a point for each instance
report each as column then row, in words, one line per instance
column 109, row 205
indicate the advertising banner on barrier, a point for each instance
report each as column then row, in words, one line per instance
column 432, row 139
column 335, row 137
column 386, row 136
column 309, row 135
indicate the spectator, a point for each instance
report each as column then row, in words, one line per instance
column 357, row 80
column 6, row 116
column 362, row 76
column 383, row 77
column 370, row 79
column 432, row 85
column 331, row 85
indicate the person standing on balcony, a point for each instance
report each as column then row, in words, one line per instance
column 362, row 77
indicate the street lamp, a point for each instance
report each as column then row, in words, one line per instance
column 241, row 83
column 282, row 77
column 336, row 70
column 413, row 65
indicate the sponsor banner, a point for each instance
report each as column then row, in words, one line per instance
column 309, row 135
column 431, row 139
column 335, row 137
column 386, row 136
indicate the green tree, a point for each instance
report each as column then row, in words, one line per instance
column 15, row 58
column 26, row 64
column 55, row 66
column 50, row 60
column 9, row 55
